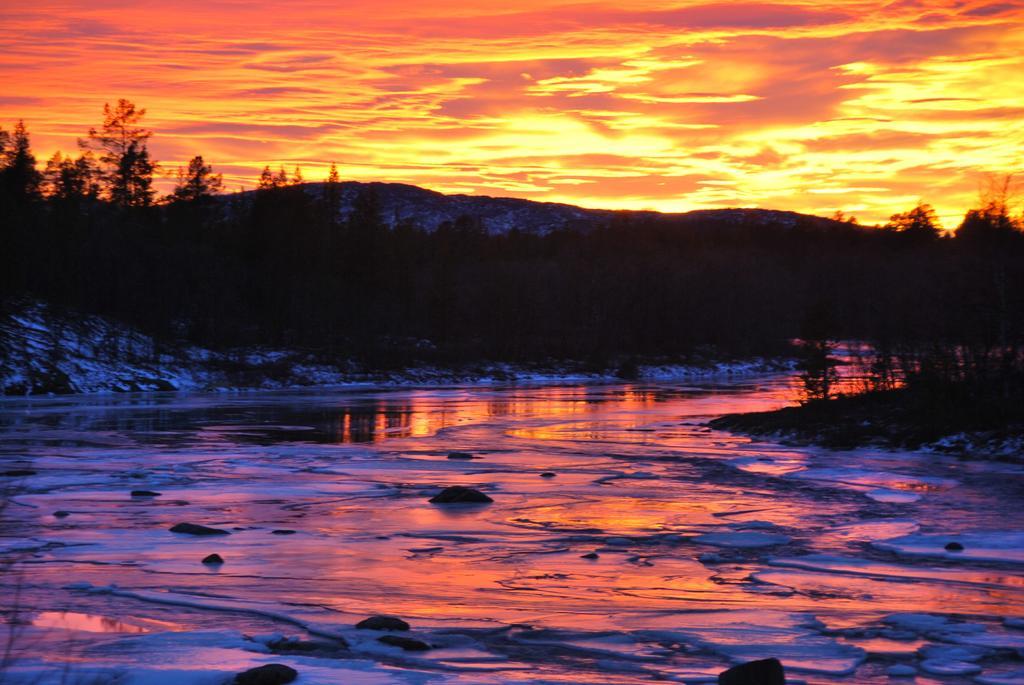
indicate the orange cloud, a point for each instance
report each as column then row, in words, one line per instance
column 673, row 105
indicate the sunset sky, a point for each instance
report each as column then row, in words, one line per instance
column 860, row 106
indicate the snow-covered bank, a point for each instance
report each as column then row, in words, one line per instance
column 43, row 351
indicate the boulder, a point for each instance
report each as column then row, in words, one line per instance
column 461, row 455
column 282, row 531
column 954, row 547
column 406, row 643
column 382, row 623
column 61, row 514
column 145, row 493
column 458, row 494
column 196, row 529
column 213, row 559
column 763, row 672
column 548, row 474
column 295, row 646
column 18, row 473
column 271, row 674
column 590, row 555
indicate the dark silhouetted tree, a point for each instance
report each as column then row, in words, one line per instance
column 332, row 196
column 817, row 341
column 991, row 222
column 67, row 179
column 19, row 178
column 121, row 144
column 266, row 181
column 197, row 181
column 919, row 224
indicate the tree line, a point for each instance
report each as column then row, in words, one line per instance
column 284, row 265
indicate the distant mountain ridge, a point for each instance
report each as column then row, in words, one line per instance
column 429, row 209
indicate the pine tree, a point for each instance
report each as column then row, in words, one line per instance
column 121, row 144
column 332, row 196
column 19, row 178
column 134, row 178
column 197, row 181
column 281, row 179
column 266, row 178
column 71, row 179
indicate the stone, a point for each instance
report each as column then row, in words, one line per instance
column 548, row 474
column 144, row 493
column 61, row 514
column 406, row 643
column 590, row 555
column 461, row 455
column 763, row 672
column 282, row 531
column 196, row 529
column 293, row 646
column 954, row 547
column 382, row 623
column 213, row 559
column 901, row 671
column 18, row 473
column 458, row 494
column 270, row 674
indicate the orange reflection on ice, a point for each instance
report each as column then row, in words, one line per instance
column 89, row 623
column 422, row 415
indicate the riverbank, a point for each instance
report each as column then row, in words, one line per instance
column 892, row 419
column 43, row 353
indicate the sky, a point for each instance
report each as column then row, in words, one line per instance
column 862, row 107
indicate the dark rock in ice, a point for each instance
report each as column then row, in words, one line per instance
column 548, row 474
column 196, row 529
column 282, row 531
column 213, row 559
column 461, row 455
column 18, row 473
column 406, row 643
column 271, row 674
column 382, row 623
column 292, row 646
column 763, row 672
column 954, row 547
column 591, row 555
column 459, row 495
column 144, row 493
column 61, row 514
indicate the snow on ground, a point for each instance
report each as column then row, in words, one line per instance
column 43, row 351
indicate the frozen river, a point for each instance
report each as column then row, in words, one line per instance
column 658, row 551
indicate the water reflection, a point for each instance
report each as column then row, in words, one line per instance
column 89, row 623
column 359, row 418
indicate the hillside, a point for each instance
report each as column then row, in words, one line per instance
column 428, row 209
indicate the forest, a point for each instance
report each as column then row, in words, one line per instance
column 281, row 265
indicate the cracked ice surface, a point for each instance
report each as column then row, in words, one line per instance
column 660, row 550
